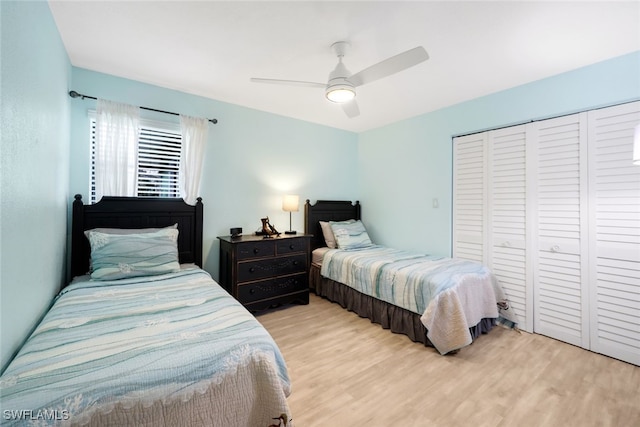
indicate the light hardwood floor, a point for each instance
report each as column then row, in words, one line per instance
column 347, row 371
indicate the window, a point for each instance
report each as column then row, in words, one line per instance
column 158, row 159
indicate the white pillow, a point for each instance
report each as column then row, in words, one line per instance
column 329, row 239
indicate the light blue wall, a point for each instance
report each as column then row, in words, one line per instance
column 252, row 158
column 35, row 72
column 404, row 166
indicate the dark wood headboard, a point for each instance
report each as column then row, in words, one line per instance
column 135, row 212
column 327, row 210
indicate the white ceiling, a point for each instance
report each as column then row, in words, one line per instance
column 213, row 48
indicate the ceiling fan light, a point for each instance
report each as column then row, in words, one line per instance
column 340, row 93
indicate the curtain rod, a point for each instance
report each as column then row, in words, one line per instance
column 75, row 94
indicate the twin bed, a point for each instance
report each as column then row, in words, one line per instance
column 150, row 339
column 441, row 302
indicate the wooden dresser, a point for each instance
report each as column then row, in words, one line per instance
column 264, row 272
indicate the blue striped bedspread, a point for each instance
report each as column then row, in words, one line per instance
column 451, row 295
column 133, row 341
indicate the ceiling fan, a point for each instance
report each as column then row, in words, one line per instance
column 341, row 87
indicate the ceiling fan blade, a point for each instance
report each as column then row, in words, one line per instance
column 289, row 82
column 390, row 66
column 351, row 109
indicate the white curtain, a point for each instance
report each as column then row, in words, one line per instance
column 194, row 138
column 117, row 133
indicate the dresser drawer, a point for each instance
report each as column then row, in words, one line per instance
column 256, row 250
column 263, row 268
column 272, row 288
column 291, row 245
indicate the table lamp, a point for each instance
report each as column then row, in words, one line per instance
column 290, row 204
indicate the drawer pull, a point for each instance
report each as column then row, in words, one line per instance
column 295, row 262
column 555, row 248
column 292, row 247
column 252, row 269
column 252, row 291
column 256, row 250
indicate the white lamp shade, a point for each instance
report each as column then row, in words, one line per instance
column 636, row 146
column 290, row 203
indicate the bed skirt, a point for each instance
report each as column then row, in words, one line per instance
column 396, row 319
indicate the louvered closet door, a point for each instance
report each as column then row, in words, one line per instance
column 507, row 207
column 469, row 194
column 614, row 209
column 559, row 186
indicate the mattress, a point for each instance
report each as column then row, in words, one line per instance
column 318, row 254
column 173, row 349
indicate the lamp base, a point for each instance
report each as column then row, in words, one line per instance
column 291, row 232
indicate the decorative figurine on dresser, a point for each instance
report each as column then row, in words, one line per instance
column 263, row 272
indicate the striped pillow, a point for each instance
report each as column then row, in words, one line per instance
column 329, row 238
column 350, row 235
column 120, row 256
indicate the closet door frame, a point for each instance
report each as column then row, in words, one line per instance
column 590, row 293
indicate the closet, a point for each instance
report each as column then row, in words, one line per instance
column 553, row 207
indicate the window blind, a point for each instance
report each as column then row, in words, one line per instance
column 158, row 160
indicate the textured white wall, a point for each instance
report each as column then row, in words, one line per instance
column 34, row 156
